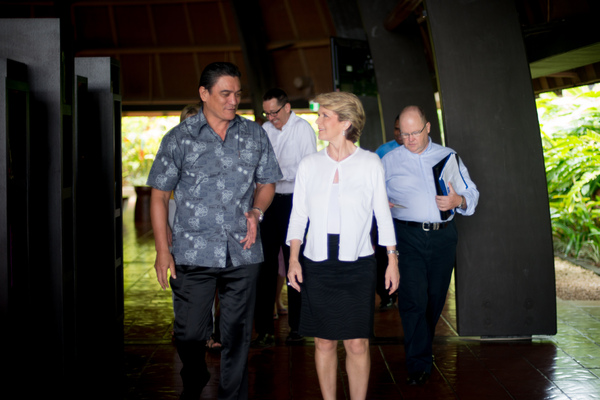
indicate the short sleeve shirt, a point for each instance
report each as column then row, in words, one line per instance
column 214, row 182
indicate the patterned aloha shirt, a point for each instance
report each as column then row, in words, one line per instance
column 214, row 182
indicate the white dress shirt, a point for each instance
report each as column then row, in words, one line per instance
column 410, row 183
column 292, row 143
column 361, row 193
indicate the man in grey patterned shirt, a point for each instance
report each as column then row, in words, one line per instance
column 223, row 171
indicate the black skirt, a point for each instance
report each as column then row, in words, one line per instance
column 338, row 297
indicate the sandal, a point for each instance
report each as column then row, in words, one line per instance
column 213, row 344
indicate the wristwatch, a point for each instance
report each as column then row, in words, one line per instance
column 261, row 215
column 393, row 252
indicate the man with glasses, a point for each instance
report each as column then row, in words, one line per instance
column 426, row 242
column 292, row 138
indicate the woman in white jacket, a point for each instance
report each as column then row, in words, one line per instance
column 337, row 192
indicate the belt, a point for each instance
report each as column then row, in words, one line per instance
column 283, row 194
column 426, row 226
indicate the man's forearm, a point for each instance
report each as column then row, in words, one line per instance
column 263, row 196
column 159, row 211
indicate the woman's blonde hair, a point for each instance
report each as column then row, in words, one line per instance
column 348, row 108
column 189, row 110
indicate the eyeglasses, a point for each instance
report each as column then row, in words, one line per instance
column 272, row 114
column 414, row 134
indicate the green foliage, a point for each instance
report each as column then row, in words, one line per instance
column 141, row 139
column 570, row 127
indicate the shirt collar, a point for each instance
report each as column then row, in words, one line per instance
column 198, row 121
column 427, row 149
column 289, row 122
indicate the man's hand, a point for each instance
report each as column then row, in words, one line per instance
column 164, row 262
column 449, row 202
column 252, row 227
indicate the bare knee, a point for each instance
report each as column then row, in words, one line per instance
column 356, row 346
column 325, row 345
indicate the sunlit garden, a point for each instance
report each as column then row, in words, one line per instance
column 570, row 128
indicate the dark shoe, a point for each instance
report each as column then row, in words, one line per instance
column 195, row 394
column 189, row 396
column 417, row 378
column 294, row 338
column 386, row 305
column 263, row 340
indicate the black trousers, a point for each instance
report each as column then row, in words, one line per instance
column 194, row 293
column 273, row 231
column 426, row 262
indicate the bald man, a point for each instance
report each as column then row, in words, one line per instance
column 426, row 241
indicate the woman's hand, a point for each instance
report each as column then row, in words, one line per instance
column 294, row 274
column 392, row 274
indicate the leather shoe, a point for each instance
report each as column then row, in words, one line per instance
column 417, row 378
column 386, row 305
column 294, row 337
column 189, row 396
column 194, row 393
column 262, row 341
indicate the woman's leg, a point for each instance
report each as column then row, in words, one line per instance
column 326, row 363
column 358, row 366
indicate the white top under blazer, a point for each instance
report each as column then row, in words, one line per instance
column 361, row 193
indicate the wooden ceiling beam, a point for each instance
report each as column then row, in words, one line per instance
column 158, row 68
column 97, row 3
column 192, row 38
column 273, row 46
column 108, row 51
column 260, row 71
column 400, row 13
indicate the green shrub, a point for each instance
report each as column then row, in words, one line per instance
column 570, row 127
column 141, row 139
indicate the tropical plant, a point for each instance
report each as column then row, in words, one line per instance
column 141, row 139
column 570, row 127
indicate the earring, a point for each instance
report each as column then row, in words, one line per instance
column 343, row 133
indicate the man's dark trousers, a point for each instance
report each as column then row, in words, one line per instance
column 194, row 293
column 426, row 262
column 382, row 263
column 273, row 232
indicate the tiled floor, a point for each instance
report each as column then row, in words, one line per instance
column 565, row 366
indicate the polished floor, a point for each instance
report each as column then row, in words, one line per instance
column 564, row 366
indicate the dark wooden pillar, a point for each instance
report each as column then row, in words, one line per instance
column 505, row 266
column 99, row 221
column 400, row 66
column 348, row 25
column 43, row 45
column 258, row 62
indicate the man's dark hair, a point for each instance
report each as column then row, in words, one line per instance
column 213, row 71
column 276, row 93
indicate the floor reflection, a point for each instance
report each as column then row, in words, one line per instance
column 565, row 366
